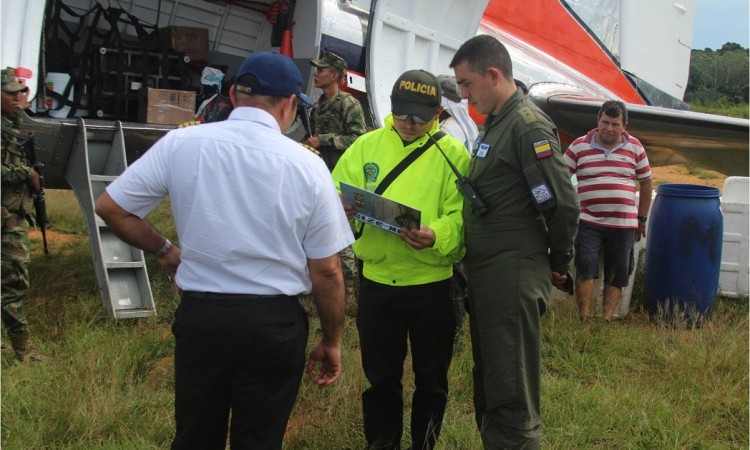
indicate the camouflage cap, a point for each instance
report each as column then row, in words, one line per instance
column 10, row 82
column 330, row 60
column 451, row 91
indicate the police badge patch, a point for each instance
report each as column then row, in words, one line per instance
column 371, row 172
column 541, row 193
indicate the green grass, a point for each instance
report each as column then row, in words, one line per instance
column 722, row 108
column 700, row 173
column 109, row 384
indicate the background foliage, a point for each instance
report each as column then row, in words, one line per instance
column 718, row 76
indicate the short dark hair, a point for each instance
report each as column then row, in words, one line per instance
column 614, row 108
column 338, row 72
column 521, row 85
column 482, row 52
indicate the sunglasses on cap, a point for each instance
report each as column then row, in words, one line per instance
column 414, row 117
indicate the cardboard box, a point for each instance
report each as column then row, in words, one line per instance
column 165, row 106
column 193, row 42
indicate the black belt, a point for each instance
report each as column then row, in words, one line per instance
column 209, row 295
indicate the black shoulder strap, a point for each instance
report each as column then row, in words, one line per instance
column 406, row 162
column 23, row 138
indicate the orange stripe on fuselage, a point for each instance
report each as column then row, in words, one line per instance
column 548, row 26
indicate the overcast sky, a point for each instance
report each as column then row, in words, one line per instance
column 720, row 21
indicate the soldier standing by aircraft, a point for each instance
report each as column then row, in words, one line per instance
column 19, row 184
column 337, row 120
column 608, row 161
column 517, row 246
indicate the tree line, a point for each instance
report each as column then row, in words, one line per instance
column 719, row 75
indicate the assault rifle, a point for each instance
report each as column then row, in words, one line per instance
column 304, row 116
column 40, row 203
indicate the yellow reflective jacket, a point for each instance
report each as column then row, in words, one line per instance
column 428, row 184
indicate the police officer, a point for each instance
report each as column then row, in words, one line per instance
column 19, row 183
column 406, row 292
column 518, row 249
column 337, row 120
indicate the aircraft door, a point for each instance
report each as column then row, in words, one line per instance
column 417, row 34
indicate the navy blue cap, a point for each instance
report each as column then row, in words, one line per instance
column 276, row 74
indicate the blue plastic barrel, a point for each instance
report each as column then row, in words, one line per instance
column 683, row 250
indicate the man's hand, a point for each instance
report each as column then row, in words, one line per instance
column 559, row 281
column 170, row 261
column 348, row 209
column 313, row 142
column 34, row 180
column 641, row 231
column 330, row 364
column 419, row 239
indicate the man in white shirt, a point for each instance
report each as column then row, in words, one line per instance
column 259, row 223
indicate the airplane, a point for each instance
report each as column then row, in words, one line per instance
column 573, row 55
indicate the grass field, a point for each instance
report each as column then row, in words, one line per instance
column 722, row 108
column 109, row 384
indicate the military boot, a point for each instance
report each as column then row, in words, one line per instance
column 23, row 349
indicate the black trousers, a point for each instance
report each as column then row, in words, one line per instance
column 241, row 353
column 386, row 318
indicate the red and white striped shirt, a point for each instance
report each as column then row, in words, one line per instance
column 606, row 179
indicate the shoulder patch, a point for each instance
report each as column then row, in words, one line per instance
column 543, row 149
column 189, row 124
column 527, row 114
column 312, row 149
column 541, row 193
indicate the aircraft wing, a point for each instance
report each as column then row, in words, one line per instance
column 670, row 136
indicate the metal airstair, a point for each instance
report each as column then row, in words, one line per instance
column 90, row 155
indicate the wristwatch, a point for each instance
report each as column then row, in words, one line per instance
column 163, row 251
column 643, row 218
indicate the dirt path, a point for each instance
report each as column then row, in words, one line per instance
column 56, row 241
column 686, row 174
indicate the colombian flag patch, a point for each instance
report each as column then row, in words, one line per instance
column 542, row 149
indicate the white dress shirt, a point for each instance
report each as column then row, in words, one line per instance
column 250, row 205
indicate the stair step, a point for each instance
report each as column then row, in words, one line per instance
column 132, row 313
column 124, row 265
column 104, row 178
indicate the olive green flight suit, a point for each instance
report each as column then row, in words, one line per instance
column 529, row 231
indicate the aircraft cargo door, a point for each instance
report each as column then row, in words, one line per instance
column 415, row 34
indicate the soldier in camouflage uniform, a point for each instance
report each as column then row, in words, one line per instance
column 19, row 183
column 337, row 120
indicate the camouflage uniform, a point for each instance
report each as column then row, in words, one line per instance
column 17, row 204
column 338, row 122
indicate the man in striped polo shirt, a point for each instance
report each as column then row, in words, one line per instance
column 607, row 162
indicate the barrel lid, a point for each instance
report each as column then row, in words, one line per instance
column 688, row 190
